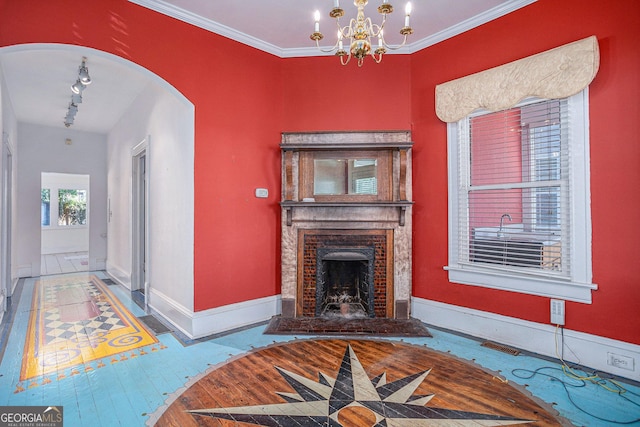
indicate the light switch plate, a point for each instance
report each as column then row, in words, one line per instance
column 262, row 193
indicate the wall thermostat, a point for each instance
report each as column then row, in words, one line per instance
column 262, row 193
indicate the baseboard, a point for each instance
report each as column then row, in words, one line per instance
column 235, row 316
column 216, row 320
column 25, row 270
column 587, row 350
column 118, row 275
column 97, row 264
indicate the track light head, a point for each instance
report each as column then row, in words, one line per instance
column 83, row 73
column 77, row 87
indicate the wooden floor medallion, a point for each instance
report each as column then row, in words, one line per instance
column 362, row 383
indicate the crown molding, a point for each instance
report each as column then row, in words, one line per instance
column 209, row 25
column 170, row 10
column 468, row 24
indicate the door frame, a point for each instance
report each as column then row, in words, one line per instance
column 140, row 262
column 6, row 281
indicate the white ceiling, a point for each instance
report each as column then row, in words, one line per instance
column 39, row 77
column 39, row 83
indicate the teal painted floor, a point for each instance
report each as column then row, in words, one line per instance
column 134, row 391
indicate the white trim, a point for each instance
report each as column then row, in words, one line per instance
column 579, row 141
column 25, row 270
column 176, row 12
column 473, row 22
column 237, row 315
column 215, row 320
column 207, row 24
column 140, row 274
column 529, row 336
column 563, row 289
column 578, row 287
column 119, row 275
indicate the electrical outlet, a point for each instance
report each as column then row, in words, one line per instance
column 622, row 362
column 557, row 312
column 262, row 193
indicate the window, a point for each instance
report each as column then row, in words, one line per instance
column 45, row 207
column 72, row 207
column 519, row 199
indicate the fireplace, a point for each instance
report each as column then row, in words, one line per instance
column 344, row 282
column 346, row 235
column 352, row 265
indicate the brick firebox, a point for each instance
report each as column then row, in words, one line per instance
column 381, row 241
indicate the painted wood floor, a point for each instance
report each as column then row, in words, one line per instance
column 361, row 383
column 317, row 377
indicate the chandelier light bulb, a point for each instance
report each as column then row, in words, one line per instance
column 407, row 10
column 316, row 18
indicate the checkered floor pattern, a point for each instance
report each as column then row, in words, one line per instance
column 57, row 331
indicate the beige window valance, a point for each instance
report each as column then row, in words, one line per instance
column 556, row 73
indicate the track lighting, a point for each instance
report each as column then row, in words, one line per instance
column 83, row 73
column 77, row 87
column 76, row 92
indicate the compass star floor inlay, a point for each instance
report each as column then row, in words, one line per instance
column 353, row 383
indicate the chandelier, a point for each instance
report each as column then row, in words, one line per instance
column 360, row 32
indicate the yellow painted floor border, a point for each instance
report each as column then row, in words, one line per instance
column 76, row 320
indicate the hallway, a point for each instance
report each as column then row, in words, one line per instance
column 72, row 262
column 101, row 378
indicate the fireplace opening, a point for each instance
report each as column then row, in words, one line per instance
column 344, row 283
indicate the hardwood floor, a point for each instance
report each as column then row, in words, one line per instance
column 339, row 382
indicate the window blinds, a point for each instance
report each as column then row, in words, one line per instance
column 515, row 182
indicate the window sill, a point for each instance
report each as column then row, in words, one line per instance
column 64, row 227
column 547, row 287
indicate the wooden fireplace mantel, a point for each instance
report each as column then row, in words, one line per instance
column 289, row 206
column 391, row 148
column 337, row 216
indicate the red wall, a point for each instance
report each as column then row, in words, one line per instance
column 615, row 158
column 320, row 94
column 244, row 98
column 237, row 93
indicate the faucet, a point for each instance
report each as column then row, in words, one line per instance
column 506, row 215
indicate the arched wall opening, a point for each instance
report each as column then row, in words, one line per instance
column 102, row 144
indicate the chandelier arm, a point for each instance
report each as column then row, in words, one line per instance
column 352, row 25
column 335, row 46
column 342, row 30
column 378, row 59
column 395, row 47
column 376, row 30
